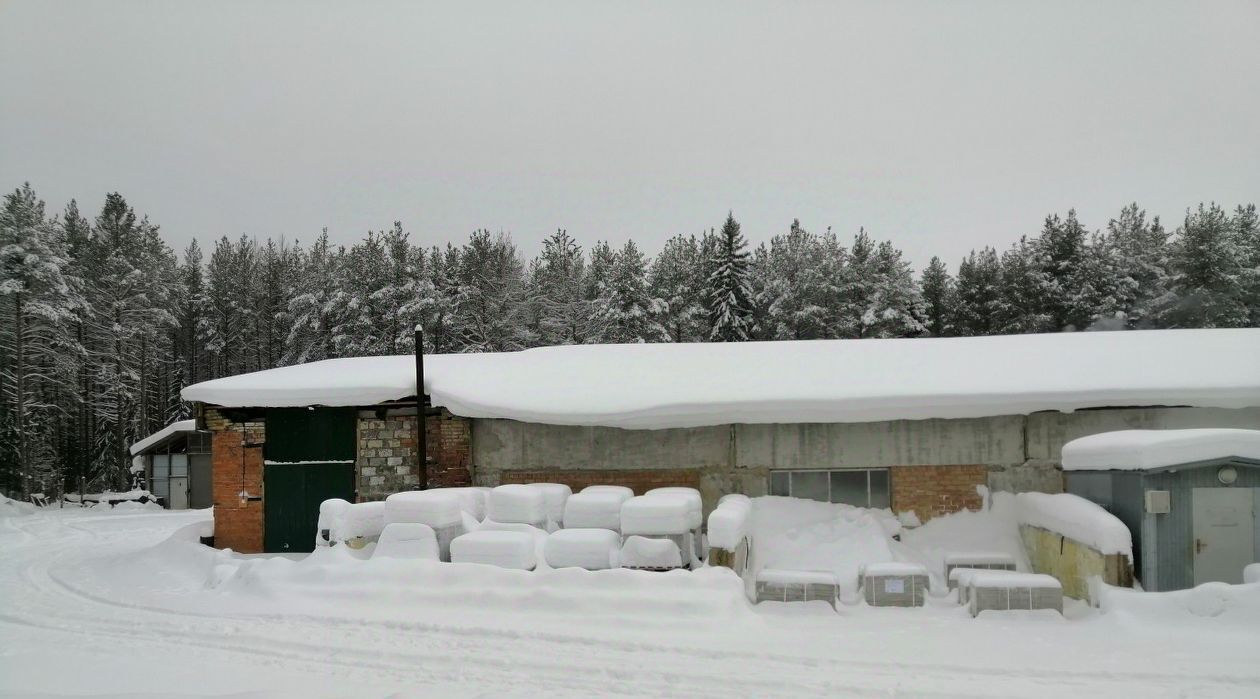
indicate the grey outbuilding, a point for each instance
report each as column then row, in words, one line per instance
column 1191, row 498
column 175, row 462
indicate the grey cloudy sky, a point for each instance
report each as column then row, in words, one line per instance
column 943, row 126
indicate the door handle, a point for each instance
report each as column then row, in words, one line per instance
column 1199, row 546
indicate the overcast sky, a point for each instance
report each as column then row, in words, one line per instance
column 943, row 126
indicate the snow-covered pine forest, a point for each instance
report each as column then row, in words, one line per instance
column 103, row 323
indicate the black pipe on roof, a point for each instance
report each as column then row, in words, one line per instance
column 422, row 400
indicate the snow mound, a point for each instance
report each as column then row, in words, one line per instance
column 436, row 508
column 410, row 540
column 661, row 514
column 594, row 510
column 15, row 508
column 1127, row 450
column 592, row 549
column 1076, row 518
column 795, row 534
column 517, row 503
column 504, row 549
column 643, row 552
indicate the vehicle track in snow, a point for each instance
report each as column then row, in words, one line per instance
column 488, row 660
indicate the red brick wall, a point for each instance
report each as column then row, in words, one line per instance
column 238, row 524
column 448, row 443
column 641, row 480
column 936, row 490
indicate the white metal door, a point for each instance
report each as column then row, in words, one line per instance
column 1224, row 533
column 179, row 494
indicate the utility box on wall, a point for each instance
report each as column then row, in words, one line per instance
column 1158, row 502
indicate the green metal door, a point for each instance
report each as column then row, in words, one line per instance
column 292, row 494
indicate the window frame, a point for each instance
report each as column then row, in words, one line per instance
column 887, row 490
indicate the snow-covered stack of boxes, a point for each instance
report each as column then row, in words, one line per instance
column 1004, row 590
column 894, row 584
column 977, row 561
column 513, row 525
column 728, row 532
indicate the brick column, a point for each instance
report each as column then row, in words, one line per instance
column 236, row 468
column 448, row 440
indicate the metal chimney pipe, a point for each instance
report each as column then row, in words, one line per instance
column 422, row 400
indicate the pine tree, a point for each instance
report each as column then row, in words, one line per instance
column 1062, row 253
column 938, row 299
column 315, row 303
column 628, row 312
column 730, row 302
column 1246, row 226
column 797, row 285
column 564, row 315
column 1141, row 254
column 979, row 294
column 1207, row 285
column 895, row 306
column 491, row 283
column 1022, row 288
column 677, row 279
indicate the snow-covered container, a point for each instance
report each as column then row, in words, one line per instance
column 650, row 553
column 983, row 560
column 1001, row 591
column 597, row 510
column 893, row 584
column 664, row 516
column 592, row 549
column 361, row 523
column 328, row 524
column 518, row 503
column 554, row 495
column 621, row 490
column 440, row 509
column 728, row 534
column 471, row 500
column 960, row 579
column 505, row 549
column 410, row 540
column 695, row 505
column 777, row 585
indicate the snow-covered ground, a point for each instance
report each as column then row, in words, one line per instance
column 113, row 603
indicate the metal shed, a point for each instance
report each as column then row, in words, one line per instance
column 176, row 465
column 1191, row 498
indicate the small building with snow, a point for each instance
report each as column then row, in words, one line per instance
column 913, row 425
column 176, row 465
column 1190, row 498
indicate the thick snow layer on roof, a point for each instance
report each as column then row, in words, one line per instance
column 1137, row 450
column 686, row 385
column 174, row 427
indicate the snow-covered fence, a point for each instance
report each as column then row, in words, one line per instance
column 728, row 533
column 1074, row 540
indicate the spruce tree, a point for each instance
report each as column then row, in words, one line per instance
column 938, row 299
column 730, row 296
column 628, row 312
column 1208, row 281
column 979, row 295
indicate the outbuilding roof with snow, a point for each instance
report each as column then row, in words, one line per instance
column 686, row 385
column 1142, row 450
column 163, row 434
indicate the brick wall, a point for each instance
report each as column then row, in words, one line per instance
column 386, row 455
column 448, row 440
column 640, row 480
column 936, row 490
column 235, row 467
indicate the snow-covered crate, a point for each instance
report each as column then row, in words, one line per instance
column 408, row 540
column 505, row 549
column 439, row 509
column 518, row 503
column 471, row 500
column 656, row 515
column 597, row 510
column 621, row 490
column 361, row 523
column 728, row 534
column 776, row 585
column 653, row 553
column 695, row 505
column 894, row 584
column 554, row 496
column 592, row 549
column 996, row 590
column 960, row 579
column 330, row 513
column 977, row 561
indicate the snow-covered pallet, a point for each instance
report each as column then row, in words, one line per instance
column 976, row 561
column 997, row 590
column 775, row 585
column 894, row 584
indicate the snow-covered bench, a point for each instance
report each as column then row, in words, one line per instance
column 894, row 584
column 1001, row 590
column 775, row 585
column 977, row 561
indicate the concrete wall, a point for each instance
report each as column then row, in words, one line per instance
column 1020, row 453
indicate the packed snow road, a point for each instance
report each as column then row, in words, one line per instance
column 101, row 603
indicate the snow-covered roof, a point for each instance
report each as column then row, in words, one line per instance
column 1140, row 450
column 160, row 435
column 686, row 385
